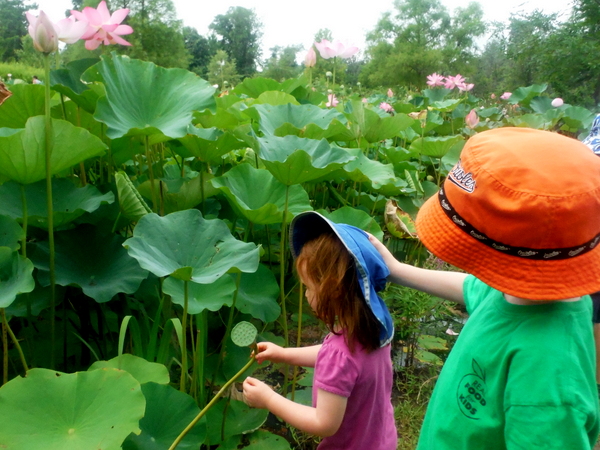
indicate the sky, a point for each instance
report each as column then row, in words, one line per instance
column 286, row 23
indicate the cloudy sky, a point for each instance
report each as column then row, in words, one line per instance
column 296, row 23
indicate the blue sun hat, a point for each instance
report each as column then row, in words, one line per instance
column 371, row 269
column 593, row 139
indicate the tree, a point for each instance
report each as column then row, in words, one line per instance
column 282, row 63
column 221, row 70
column 13, row 27
column 239, row 33
column 419, row 38
column 201, row 50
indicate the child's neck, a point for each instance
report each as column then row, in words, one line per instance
column 523, row 301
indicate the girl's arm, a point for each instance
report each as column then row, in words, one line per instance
column 296, row 356
column 448, row 285
column 324, row 420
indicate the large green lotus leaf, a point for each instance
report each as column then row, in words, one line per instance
column 263, row 440
column 524, row 95
column 79, row 117
column 211, row 296
column 38, row 300
column 240, row 419
column 446, row 105
column 577, row 118
column 68, row 201
column 375, row 128
column 49, row 410
column 265, row 205
column 27, row 100
column 68, row 82
column 15, row 277
column 140, row 369
column 294, row 160
column 187, row 246
column 94, row 261
column 535, row 121
column 11, row 232
column 258, row 294
column 436, row 95
column 208, row 144
column 355, row 217
column 435, row 147
column 22, row 152
column 253, row 87
column 275, row 98
column 365, row 170
column 221, row 119
column 145, row 99
column 271, row 118
column 131, row 203
column 168, row 412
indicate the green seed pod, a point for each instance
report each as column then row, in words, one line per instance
column 243, row 334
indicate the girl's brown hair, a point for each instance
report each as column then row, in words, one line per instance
column 340, row 304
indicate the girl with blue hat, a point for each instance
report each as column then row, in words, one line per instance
column 353, row 377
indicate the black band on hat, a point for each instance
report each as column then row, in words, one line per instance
column 543, row 254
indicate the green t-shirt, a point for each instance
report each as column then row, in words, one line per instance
column 518, row 377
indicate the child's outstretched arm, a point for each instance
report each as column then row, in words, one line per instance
column 296, row 356
column 443, row 284
column 324, row 420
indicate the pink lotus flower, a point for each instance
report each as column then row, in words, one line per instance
column 311, row 57
column 465, row 87
column 386, row 107
column 452, row 82
column 505, row 96
column 435, row 80
column 336, row 48
column 333, row 101
column 493, row 96
column 46, row 34
column 364, row 100
column 472, row 119
column 103, row 28
column 451, row 332
column 390, row 93
column 557, row 102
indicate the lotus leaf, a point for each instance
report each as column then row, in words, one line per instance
column 168, row 412
column 145, row 99
column 263, row 440
column 258, row 293
column 140, row 369
column 375, row 128
column 88, row 258
column 264, row 205
column 240, row 419
column 211, row 296
column 435, row 147
column 577, row 118
column 15, row 277
column 208, row 144
column 365, row 170
column 49, row 410
column 524, row 95
column 22, row 151
column 294, row 160
column 68, row 201
column 189, row 247
column 27, row 100
column 132, row 205
column 68, row 82
column 38, row 300
column 10, row 231
column 253, row 87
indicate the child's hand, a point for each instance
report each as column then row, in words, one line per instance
column 257, row 393
column 267, row 351
column 382, row 249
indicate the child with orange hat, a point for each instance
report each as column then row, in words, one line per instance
column 520, row 213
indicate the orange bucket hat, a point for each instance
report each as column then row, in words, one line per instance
column 521, row 212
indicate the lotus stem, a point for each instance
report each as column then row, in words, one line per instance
column 202, row 347
column 211, row 404
column 184, row 338
column 298, row 338
column 4, row 350
column 48, row 154
column 6, row 328
column 151, row 175
column 282, row 282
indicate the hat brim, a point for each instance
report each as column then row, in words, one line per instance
column 528, row 279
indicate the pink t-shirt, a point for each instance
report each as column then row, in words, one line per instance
column 366, row 380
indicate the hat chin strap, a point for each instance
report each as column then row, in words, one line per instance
column 542, row 254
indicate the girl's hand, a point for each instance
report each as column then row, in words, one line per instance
column 257, row 393
column 267, row 351
column 382, row 249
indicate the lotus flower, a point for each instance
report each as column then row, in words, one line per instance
column 364, row 100
column 472, row 119
column 333, row 101
column 435, row 80
column 46, row 34
column 103, row 28
column 386, row 107
column 493, row 96
column 390, row 93
column 465, row 87
column 557, row 102
column 452, row 82
column 506, row 95
column 336, row 48
column 311, row 57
